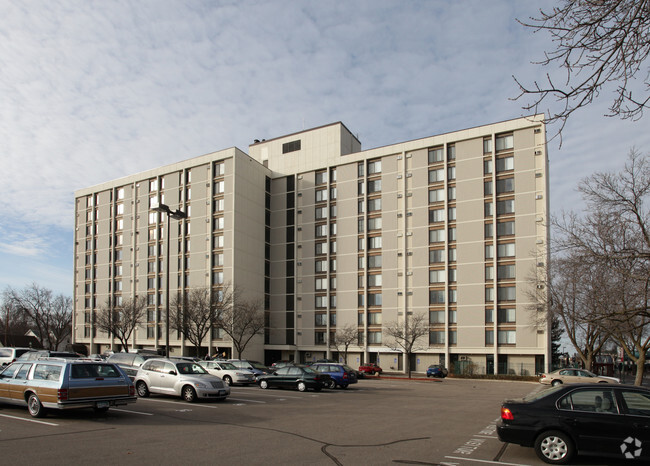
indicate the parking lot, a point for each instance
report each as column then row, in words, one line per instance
column 377, row 421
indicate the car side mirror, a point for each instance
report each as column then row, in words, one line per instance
column 172, row 373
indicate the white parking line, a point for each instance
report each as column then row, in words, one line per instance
column 29, row 420
column 246, row 400
column 471, row 460
column 132, row 412
column 194, row 405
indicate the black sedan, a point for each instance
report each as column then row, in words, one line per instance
column 300, row 377
column 607, row 421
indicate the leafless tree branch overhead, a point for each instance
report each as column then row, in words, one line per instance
column 599, row 45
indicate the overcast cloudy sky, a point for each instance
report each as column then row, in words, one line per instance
column 95, row 90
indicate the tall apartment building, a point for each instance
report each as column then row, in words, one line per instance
column 331, row 238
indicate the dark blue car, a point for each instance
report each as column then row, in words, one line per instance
column 436, row 370
column 341, row 374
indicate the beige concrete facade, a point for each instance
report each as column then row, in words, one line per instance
column 452, row 227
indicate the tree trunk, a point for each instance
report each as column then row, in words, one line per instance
column 640, row 365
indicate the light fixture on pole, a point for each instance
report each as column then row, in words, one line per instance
column 176, row 215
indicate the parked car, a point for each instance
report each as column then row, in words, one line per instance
column 228, row 372
column 370, row 368
column 340, row 374
column 178, row 377
column 39, row 354
column 57, row 383
column 130, row 362
column 300, row 377
column 560, row 422
column 9, row 354
column 255, row 367
column 437, row 370
column 570, row 375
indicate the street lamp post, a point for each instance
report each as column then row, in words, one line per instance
column 176, row 215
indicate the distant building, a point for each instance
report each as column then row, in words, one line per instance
column 453, row 226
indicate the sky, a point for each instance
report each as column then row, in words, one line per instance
column 91, row 91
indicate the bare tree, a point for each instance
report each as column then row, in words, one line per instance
column 599, row 44
column 406, row 337
column 50, row 315
column 121, row 319
column 12, row 320
column 612, row 242
column 242, row 321
column 343, row 338
column 195, row 313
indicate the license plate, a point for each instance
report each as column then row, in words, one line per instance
column 222, row 392
column 103, row 404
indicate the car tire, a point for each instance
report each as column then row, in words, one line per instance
column 188, row 394
column 554, row 447
column 331, row 384
column 301, row 386
column 264, row 384
column 142, row 389
column 555, row 383
column 227, row 380
column 34, row 406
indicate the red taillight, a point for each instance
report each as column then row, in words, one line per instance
column 62, row 394
column 506, row 414
column 345, row 375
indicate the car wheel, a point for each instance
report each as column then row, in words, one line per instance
column 301, row 386
column 142, row 389
column 555, row 383
column 35, row 406
column 554, row 447
column 264, row 384
column 331, row 384
column 227, row 380
column 189, row 394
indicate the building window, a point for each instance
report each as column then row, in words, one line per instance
column 374, row 167
column 219, row 169
column 436, row 155
column 436, row 175
column 505, row 228
column 489, row 337
column 219, row 187
column 487, row 167
column 321, row 195
column 437, row 337
column 321, row 248
column 489, row 230
column 507, row 293
column 452, row 275
column 506, row 250
column 487, row 146
column 453, row 296
column 452, row 213
column 374, row 186
column 321, row 266
column 436, row 215
column 321, row 302
column 374, row 299
column 487, row 188
column 374, row 318
column 321, row 283
column 451, row 193
column 504, row 142
column 374, row 280
column 489, row 316
column 451, row 173
column 505, row 185
column 453, row 337
column 436, row 256
column 321, row 230
column 374, row 262
column 290, row 146
column 489, row 272
column 506, row 316
column 451, row 152
column 489, row 251
column 507, row 337
column 437, row 297
column 374, row 242
column 452, row 316
column 489, row 209
column 436, row 236
column 506, row 271
column 319, row 338
column 436, row 195
column 437, row 276
column 452, row 234
column 374, row 338
column 489, row 295
column 320, row 320
column 506, row 207
column 321, row 177
column 374, row 205
column 436, row 317
column 321, row 213
column 374, row 223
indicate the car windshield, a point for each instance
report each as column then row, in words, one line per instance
column 226, row 366
column 258, row 365
column 190, row 368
